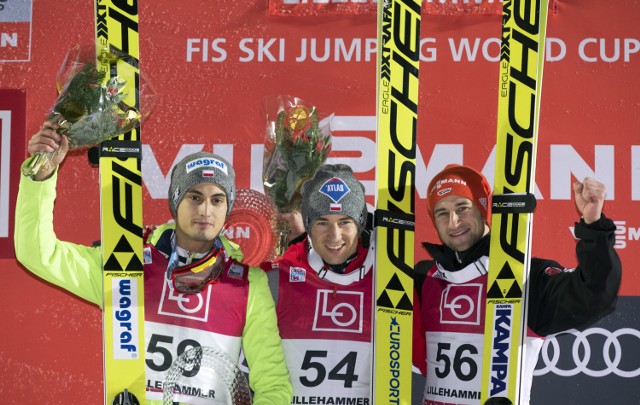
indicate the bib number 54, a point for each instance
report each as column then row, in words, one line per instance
column 316, row 360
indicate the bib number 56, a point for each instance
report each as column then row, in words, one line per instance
column 463, row 365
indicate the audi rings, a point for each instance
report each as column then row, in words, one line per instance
column 612, row 353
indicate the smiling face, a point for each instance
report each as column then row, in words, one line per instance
column 200, row 217
column 459, row 222
column 334, row 237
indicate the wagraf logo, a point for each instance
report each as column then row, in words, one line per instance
column 394, row 361
column 125, row 318
column 206, row 162
column 500, row 348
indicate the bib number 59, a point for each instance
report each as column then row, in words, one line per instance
column 158, row 345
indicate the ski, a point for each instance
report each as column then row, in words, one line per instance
column 116, row 27
column 521, row 64
column 397, row 112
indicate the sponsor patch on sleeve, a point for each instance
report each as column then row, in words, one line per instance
column 552, row 271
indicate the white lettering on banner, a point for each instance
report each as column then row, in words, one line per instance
column 338, row 47
column 201, row 46
column 457, row 50
column 263, row 50
column 464, row 1
column 7, row 39
column 621, row 243
column 237, row 232
column 466, row 49
column 334, row 50
column 634, row 233
column 5, row 171
column 624, row 234
column 635, row 173
column 257, row 155
column 600, row 49
column 589, row 49
column 429, row 54
column 555, row 50
column 565, row 162
column 296, row 2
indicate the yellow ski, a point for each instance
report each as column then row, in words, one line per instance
column 397, row 113
column 116, row 26
column 521, row 64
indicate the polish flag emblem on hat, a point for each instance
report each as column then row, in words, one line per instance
column 207, row 173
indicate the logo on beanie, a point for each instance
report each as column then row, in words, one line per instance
column 335, row 189
column 443, row 182
column 176, row 195
column 206, row 162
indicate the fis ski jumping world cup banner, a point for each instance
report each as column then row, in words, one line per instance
column 214, row 63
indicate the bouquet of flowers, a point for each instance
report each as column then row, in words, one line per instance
column 297, row 142
column 89, row 109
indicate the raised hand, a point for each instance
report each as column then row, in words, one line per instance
column 590, row 196
column 47, row 140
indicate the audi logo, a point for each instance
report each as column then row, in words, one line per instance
column 584, row 345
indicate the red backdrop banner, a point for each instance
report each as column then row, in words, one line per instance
column 298, row 8
column 213, row 63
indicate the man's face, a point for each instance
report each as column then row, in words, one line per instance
column 200, row 217
column 459, row 222
column 334, row 237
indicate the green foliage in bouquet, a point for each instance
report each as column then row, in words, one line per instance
column 292, row 155
column 88, row 111
column 82, row 95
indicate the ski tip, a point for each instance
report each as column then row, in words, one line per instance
column 125, row 398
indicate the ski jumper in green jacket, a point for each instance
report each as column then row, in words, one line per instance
column 235, row 312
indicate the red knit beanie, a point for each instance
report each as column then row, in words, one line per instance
column 462, row 181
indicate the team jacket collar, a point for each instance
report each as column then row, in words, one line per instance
column 472, row 271
column 453, row 261
column 460, row 267
column 356, row 270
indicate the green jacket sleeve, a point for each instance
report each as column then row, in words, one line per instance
column 268, row 374
column 75, row 268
